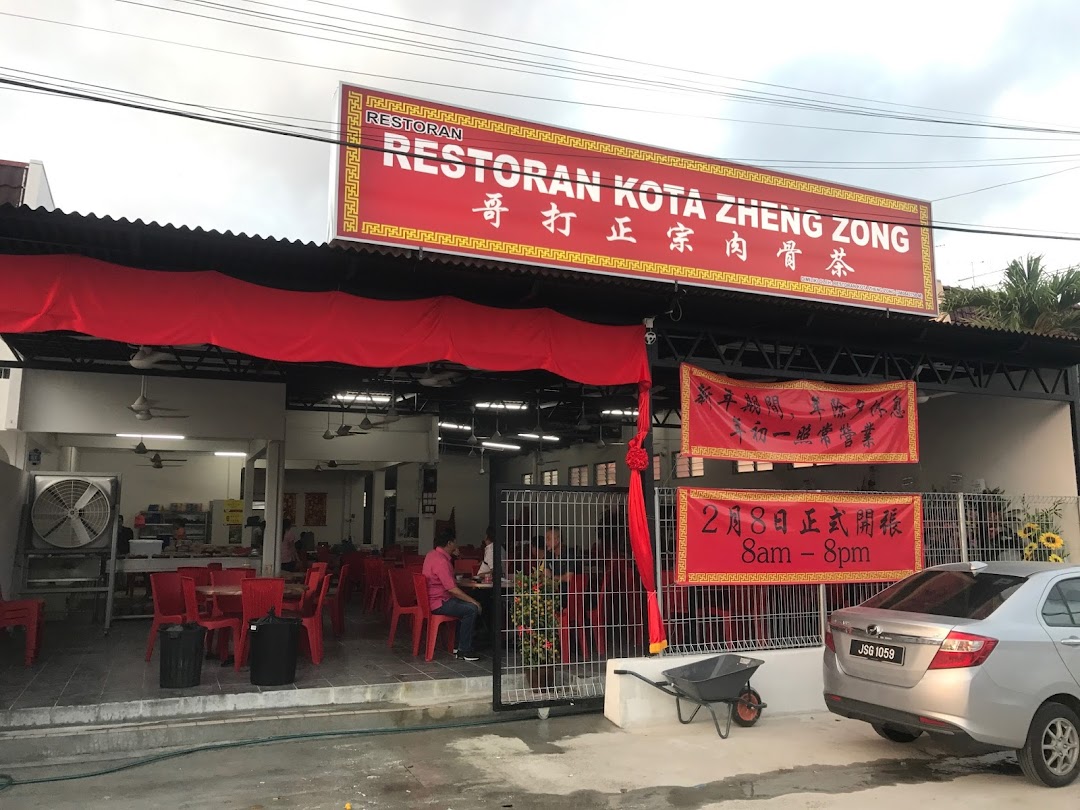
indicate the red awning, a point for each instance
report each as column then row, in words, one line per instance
column 112, row 302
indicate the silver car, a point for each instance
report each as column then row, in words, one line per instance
column 985, row 652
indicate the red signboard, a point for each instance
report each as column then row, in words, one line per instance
column 424, row 175
column 798, row 421
column 730, row 537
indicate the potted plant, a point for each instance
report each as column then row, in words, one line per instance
column 1040, row 531
column 534, row 617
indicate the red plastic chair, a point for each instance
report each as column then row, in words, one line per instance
column 403, row 603
column 616, row 605
column 192, row 614
column 375, row 581
column 341, row 596
column 746, row 610
column 229, row 605
column 572, row 617
column 28, row 614
column 168, row 605
column 355, row 581
column 201, row 575
column 312, row 623
column 467, row 567
column 214, row 567
column 434, row 621
column 675, row 607
column 298, row 604
column 259, row 596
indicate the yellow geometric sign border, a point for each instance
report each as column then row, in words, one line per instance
column 350, row 206
column 684, row 494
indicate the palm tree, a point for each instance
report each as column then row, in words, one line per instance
column 1029, row 298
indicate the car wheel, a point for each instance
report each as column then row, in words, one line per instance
column 896, row 735
column 1051, row 754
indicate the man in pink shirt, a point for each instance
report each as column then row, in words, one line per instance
column 446, row 598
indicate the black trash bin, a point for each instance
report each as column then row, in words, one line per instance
column 274, row 642
column 180, row 648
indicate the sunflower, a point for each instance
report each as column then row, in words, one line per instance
column 1028, row 531
column 1029, row 551
column 1054, row 558
column 1051, row 540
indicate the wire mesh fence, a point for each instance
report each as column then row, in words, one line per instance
column 957, row 527
column 569, row 596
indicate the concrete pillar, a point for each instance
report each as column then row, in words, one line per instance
column 275, row 482
column 248, row 496
column 377, row 503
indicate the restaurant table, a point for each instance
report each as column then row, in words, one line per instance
column 486, row 597
column 292, row 590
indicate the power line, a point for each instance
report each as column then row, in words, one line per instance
column 637, row 62
column 975, row 229
column 531, row 97
column 1009, row 183
column 573, row 74
column 781, row 164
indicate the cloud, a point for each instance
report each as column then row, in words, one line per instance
column 1012, row 59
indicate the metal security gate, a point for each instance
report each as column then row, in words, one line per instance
column 560, row 613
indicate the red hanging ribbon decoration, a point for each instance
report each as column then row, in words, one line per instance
column 637, row 459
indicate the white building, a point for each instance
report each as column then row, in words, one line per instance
column 25, row 184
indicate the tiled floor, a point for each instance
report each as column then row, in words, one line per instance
column 81, row 665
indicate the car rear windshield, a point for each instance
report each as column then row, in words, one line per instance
column 956, row 594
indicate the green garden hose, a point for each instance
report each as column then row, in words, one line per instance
column 7, row 781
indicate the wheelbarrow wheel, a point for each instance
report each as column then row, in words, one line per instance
column 748, row 709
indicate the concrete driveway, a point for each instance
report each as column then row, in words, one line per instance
column 571, row 762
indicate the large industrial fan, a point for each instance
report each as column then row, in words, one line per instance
column 72, row 513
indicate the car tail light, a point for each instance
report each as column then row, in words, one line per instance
column 960, row 650
column 829, row 641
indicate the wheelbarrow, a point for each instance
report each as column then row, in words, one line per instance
column 721, row 679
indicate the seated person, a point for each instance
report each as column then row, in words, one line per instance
column 446, row 598
column 487, row 567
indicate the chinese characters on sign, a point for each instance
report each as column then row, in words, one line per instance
column 757, row 537
column 798, row 421
column 463, row 182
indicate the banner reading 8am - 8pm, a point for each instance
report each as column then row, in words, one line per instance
column 424, row 175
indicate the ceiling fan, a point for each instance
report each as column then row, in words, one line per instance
column 146, row 409
column 159, row 463
column 146, row 358
column 140, row 449
column 342, row 430
column 335, row 465
column 601, row 443
column 442, row 379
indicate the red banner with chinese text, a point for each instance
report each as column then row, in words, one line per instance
column 798, row 421
column 737, row 537
column 427, row 175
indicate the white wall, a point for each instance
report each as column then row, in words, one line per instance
column 462, row 488
column 37, row 193
column 71, row 402
column 336, row 484
column 203, row 478
column 1021, row 446
column 13, row 485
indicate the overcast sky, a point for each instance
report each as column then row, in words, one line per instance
column 1005, row 62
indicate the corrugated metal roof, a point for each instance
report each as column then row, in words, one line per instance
column 181, row 247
